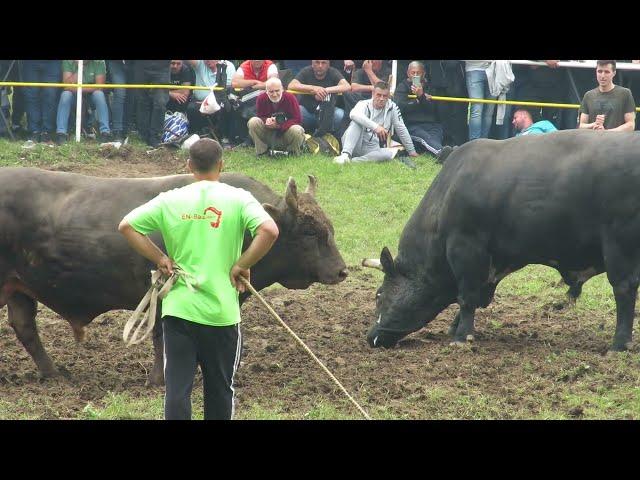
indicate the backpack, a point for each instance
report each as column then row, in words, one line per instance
column 176, row 128
column 324, row 115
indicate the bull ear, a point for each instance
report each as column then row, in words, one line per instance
column 273, row 211
column 291, row 195
column 387, row 262
column 313, row 184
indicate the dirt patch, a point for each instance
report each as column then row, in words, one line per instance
column 526, row 362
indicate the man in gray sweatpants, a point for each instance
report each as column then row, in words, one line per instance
column 372, row 121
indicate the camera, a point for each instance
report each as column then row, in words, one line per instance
column 280, row 117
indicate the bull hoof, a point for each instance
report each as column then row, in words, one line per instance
column 623, row 347
column 469, row 338
column 155, row 379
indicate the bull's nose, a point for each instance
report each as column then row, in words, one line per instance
column 343, row 274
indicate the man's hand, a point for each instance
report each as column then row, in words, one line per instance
column 381, row 132
column 236, row 272
column 319, row 93
column 181, row 97
column 413, row 154
column 270, row 122
column 552, row 63
column 419, row 91
column 367, row 66
column 166, row 265
column 349, row 65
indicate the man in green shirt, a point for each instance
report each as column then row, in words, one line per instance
column 202, row 225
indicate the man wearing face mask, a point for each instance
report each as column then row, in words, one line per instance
column 366, row 138
column 278, row 124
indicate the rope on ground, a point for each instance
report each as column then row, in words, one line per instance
column 160, row 286
column 272, row 312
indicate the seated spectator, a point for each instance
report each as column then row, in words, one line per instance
column 181, row 74
column 366, row 138
column 211, row 73
column 277, row 125
column 523, row 124
column 253, row 74
column 93, row 72
column 420, row 115
column 608, row 106
column 363, row 80
column 322, row 82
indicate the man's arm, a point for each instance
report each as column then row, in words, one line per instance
column 341, row 87
column 266, row 235
column 629, row 124
column 70, row 77
column 145, row 247
column 238, row 81
column 180, row 95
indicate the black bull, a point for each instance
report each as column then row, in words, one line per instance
column 59, row 245
column 569, row 200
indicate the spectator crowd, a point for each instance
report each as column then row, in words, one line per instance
column 342, row 107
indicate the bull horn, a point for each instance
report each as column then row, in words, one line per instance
column 372, row 263
column 291, row 195
column 313, row 184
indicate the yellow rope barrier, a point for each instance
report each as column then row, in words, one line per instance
column 195, row 87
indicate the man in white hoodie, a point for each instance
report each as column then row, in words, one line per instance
column 372, row 121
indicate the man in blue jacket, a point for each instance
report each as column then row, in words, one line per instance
column 523, row 123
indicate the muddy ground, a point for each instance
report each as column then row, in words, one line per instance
column 528, row 360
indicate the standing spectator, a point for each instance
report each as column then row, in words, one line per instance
column 93, row 72
column 118, row 72
column 420, row 115
column 278, row 121
column 608, row 106
column 201, row 327
column 151, row 103
column 322, row 82
column 366, row 138
column 523, row 124
column 181, row 75
column 481, row 114
column 446, row 78
column 40, row 103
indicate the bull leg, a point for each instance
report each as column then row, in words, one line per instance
column 625, row 295
column 156, row 376
column 22, row 318
column 454, row 325
column 622, row 272
column 470, row 263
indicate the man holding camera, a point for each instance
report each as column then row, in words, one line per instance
column 278, row 124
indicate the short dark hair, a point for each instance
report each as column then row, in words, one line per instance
column 527, row 111
column 381, row 85
column 205, row 154
column 602, row 63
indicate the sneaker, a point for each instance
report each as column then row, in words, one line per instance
column 342, row 158
column 62, row 138
column 45, row 138
column 106, row 137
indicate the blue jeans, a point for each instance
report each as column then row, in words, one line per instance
column 118, row 74
column 310, row 122
column 68, row 100
column 40, row 103
column 481, row 113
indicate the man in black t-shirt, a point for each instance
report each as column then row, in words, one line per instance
column 181, row 74
column 320, row 83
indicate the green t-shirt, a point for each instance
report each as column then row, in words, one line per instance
column 203, row 227
column 90, row 68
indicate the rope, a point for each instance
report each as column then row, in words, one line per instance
column 272, row 312
column 160, row 286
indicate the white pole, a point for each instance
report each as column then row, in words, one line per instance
column 79, row 101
